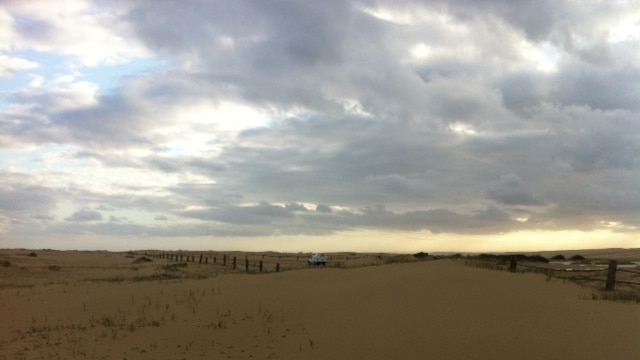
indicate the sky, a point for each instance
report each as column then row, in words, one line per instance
column 391, row 125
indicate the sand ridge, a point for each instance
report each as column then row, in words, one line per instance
column 430, row 309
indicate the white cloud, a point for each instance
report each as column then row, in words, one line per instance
column 10, row 65
column 91, row 34
column 6, row 24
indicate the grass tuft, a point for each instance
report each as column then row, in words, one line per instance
column 623, row 296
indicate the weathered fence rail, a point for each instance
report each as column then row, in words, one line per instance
column 610, row 279
column 249, row 266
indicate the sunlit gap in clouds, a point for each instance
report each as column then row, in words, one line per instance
column 206, row 128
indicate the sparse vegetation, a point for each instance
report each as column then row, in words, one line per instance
column 537, row 258
column 142, row 259
column 5, row 263
column 421, row 255
column 156, row 277
column 623, row 296
column 558, row 258
column 506, row 258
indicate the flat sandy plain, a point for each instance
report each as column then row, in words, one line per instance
column 103, row 305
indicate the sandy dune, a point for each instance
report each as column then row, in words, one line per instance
column 103, row 306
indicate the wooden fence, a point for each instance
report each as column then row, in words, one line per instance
column 222, row 260
column 607, row 275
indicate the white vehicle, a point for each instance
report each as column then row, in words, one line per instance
column 318, row 259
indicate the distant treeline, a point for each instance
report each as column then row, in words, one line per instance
column 487, row 257
column 505, row 258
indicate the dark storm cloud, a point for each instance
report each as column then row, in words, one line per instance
column 511, row 190
column 592, row 139
column 84, row 215
column 600, row 88
column 321, row 208
column 265, row 218
column 364, row 160
column 536, row 19
column 435, row 220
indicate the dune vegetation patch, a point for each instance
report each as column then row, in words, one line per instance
column 142, row 260
column 623, row 296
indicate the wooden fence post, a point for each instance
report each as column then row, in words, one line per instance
column 200, row 259
column 224, row 260
column 260, row 265
column 277, row 267
column 513, row 265
column 234, row 263
column 611, row 275
column 206, row 260
column 246, row 264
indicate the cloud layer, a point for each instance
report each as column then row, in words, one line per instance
column 255, row 119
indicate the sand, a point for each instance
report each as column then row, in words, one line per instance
column 110, row 306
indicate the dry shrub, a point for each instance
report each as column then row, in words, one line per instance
column 142, row 259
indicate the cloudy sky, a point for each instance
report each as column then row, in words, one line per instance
column 408, row 125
